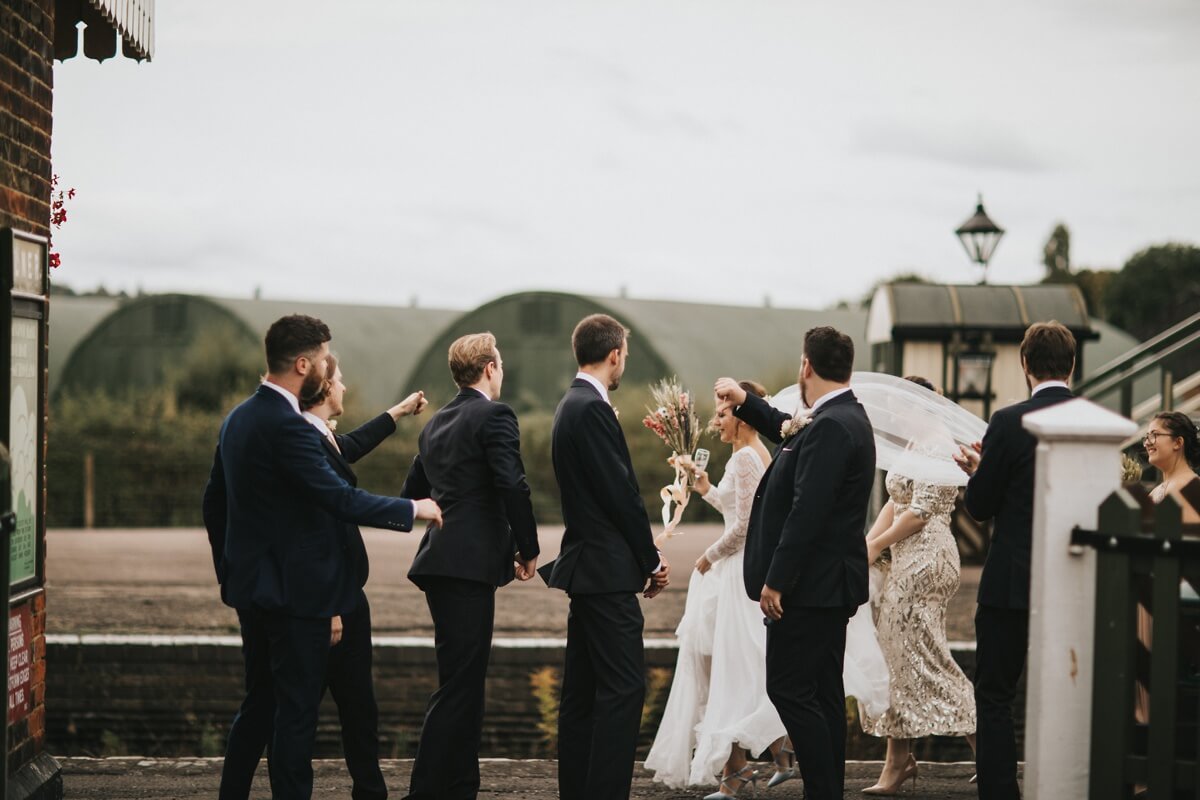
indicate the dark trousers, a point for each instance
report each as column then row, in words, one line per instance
column 348, row 676
column 806, row 650
column 349, row 680
column 603, row 688
column 1001, row 642
column 447, row 763
column 252, row 726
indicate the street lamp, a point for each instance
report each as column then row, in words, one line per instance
column 979, row 236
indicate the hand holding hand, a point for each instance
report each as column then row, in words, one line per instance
column 659, row 580
column 968, row 458
column 771, row 603
column 427, row 508
column 410, row 406
column 703, row 565
column 335, row 631
column 526, row 569
column 728, row 391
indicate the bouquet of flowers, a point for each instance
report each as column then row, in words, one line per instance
column 673, row 419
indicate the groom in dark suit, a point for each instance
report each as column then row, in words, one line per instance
column 1001, row 488
column 806, row 555
column 280, row 561
column 607, row 557
column 470, row 462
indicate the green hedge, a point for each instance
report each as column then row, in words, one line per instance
column 152, row 460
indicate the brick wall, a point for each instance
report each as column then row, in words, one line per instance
column 26, row 100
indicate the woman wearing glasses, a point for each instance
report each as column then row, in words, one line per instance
column 1173, row 447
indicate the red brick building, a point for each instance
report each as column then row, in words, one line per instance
column 32, row 34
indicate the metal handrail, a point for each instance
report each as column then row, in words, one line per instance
column 1131, row 365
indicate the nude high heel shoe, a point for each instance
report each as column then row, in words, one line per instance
column 910, row 771
column 784, row 771
column 743, row 777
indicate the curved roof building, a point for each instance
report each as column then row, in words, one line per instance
column 696, row 342
column 136, row 345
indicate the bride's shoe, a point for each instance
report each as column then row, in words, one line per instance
column 785, row 767
column 910, row 771
column 743, row 776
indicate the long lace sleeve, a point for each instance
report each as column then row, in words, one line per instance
column 713, row 498
column 747, row 470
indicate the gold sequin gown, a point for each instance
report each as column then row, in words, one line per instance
column 930, row 695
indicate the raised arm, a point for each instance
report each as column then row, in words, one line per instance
column 987, row 487
column 760, row 415
column 366, row 437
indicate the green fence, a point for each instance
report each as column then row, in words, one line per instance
column 1146, row 644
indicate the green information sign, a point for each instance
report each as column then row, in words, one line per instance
column 23, row 447
column 23, row 330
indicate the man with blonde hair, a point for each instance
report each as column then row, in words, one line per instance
column 470, row 461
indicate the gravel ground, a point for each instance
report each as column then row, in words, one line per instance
column 184, row 779
column 161, row 581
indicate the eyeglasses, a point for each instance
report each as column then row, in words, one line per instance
column 1151, row 436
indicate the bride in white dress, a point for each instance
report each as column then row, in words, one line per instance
column 718, row 707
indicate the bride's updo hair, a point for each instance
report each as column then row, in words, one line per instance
column 753, row 387
column 1180, row 426
column 919, row 381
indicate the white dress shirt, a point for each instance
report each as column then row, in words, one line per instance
column 1049, row 385
column 600, row 387
column 825, row 398
column 291, row 398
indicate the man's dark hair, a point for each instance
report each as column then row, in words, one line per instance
column 1048, row 350
column 830, row 352
column 595, row 337
column 290, row 337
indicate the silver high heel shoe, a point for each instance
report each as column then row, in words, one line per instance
column 786, row 771
column 743, row 776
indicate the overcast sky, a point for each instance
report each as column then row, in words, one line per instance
column 373, row 150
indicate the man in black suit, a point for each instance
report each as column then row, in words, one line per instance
column 806, row 555
column 607, row 557
column 279, row 560
column 470, row 462
column 1001, row 488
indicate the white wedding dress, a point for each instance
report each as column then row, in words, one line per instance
column 722, row 645
column 718, row 695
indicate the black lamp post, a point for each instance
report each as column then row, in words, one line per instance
column 979, row 236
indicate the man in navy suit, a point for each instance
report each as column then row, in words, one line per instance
column 806, row 553
column 607, row 557
column 1001, row 488
column 280, row 562
column 470, row 461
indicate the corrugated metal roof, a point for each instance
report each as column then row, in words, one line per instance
column 71, row 320
column 1000, row 308
column 702, row 341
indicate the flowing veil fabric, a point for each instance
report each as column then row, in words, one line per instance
column 917, row 432
column 865, row 673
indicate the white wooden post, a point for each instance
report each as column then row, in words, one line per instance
column 1078, row 465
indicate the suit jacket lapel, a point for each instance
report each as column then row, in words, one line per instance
column 337, row 456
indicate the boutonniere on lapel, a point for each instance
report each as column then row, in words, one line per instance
column 331, row 424
column 792, row 426
column 616, row 412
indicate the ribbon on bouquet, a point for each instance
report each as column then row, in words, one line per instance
column 678, row 493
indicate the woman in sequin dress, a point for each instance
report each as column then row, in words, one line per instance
column 930, row 695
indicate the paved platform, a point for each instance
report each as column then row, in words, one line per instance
column 160, row 581
column 184, row 779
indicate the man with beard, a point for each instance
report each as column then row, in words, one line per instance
column 607, row 557
column 280, row 561
column 806, row 555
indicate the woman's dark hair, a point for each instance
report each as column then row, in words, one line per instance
column 753, row 387
column 1180, row 426
column 830, row 352
column 919, row 381
column 293, row 336
column 595, row 337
